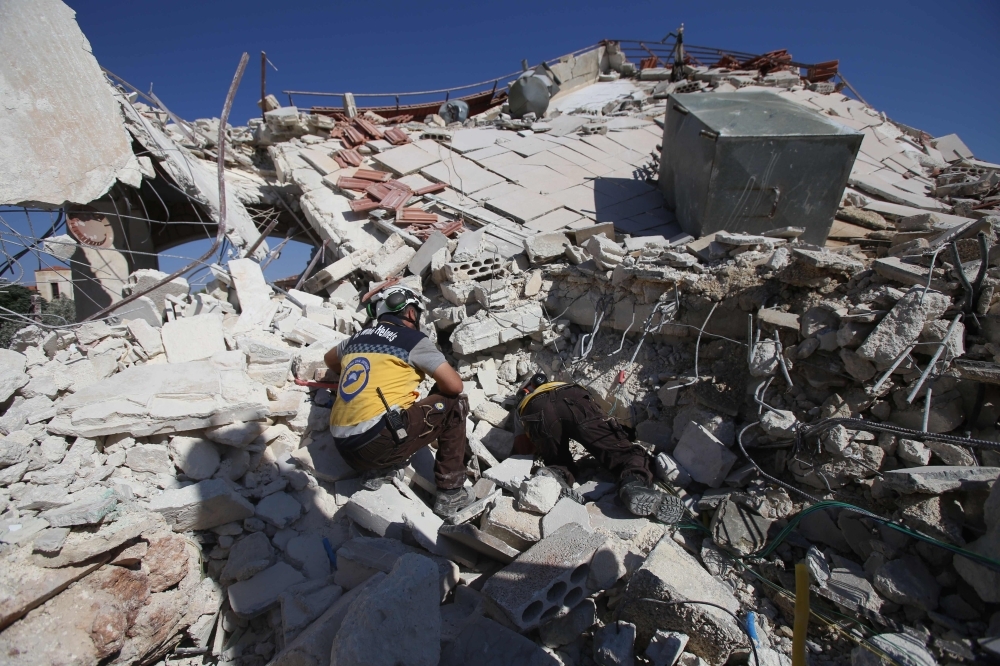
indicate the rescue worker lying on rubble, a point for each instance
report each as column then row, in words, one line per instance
column 392, row 354
column 551, row 413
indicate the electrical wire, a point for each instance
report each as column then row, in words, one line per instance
column 821, row 504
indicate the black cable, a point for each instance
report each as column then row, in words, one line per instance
column 818, row 503
column 865, row 424
column 787, row 486
column 741, row 625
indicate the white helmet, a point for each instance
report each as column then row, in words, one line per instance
column 392, row 300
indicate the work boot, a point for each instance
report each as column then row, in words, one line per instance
column 373, row 479
column 450, row 502
column 644, row 500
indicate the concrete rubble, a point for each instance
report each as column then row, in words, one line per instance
column 172, row 466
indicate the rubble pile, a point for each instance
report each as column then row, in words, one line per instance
column 169, row 485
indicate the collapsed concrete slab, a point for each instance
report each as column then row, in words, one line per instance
column 150, row 399
column 671, row 574
column 488, row 329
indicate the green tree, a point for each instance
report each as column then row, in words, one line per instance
column 15, row 298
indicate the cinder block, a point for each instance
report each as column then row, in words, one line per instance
column 545, row 582
column 484, row 266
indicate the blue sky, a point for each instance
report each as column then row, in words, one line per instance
column 925, row 63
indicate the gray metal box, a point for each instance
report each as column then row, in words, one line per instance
column 753, row 161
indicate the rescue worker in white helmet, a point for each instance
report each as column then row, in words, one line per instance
column 392, row 355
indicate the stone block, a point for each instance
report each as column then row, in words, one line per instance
column 903, row 325
column 147, row 336
column 486, row 643
column 519, row 529
column 87, row 511
column 14, row 448
column 257, row 594
column 481, row 542
column 907, row 581
column 901, row 648
column 614, row 644
column 303, row 603
column 380, row 511
column 238, row 435
column 565, row 512
column 144, row 278
column 985, row 581
column 50, row 541
column 308, row 553
column 492, row 413
column 247, row 557
column 666, row 647
column 671, row 574
column 404, row 608
column 198, row 458
column 420, row 263
column 312, row 645
column 21, row 530
column 12, row 374
column 40, row 498
column 738, row 528
column 193, row 338
column 497, row 441
column 546, row 581
column 608, row 564
column 545, row 247
column 362, row 557
column 279, row 509
column 488, row 329
column 390, row 259
column 538, row 494
column 201, row 506
column 939, row 479
column 511, row 472
column 328, row 276
column 704, row 457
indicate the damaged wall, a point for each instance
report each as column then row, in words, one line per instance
column 61, row 134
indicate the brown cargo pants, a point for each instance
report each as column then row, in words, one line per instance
column 437, row 417
column 551, row 419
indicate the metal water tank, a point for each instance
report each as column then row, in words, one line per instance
column 753, row 161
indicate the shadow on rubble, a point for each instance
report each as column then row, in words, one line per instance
column 635, row 206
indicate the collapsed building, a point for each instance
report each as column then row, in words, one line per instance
column 786, row 295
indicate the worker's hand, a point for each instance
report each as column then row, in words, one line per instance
column 523, row 446
column 332, row 360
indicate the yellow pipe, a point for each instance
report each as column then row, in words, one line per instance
column 801, row 615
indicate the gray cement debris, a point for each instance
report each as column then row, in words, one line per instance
column 179, row 414
column 670, row 574
column 939, row 479
column 902, row 325
column 201, row 506
column 614, row 643
column 544, row 582
column 403, row 606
